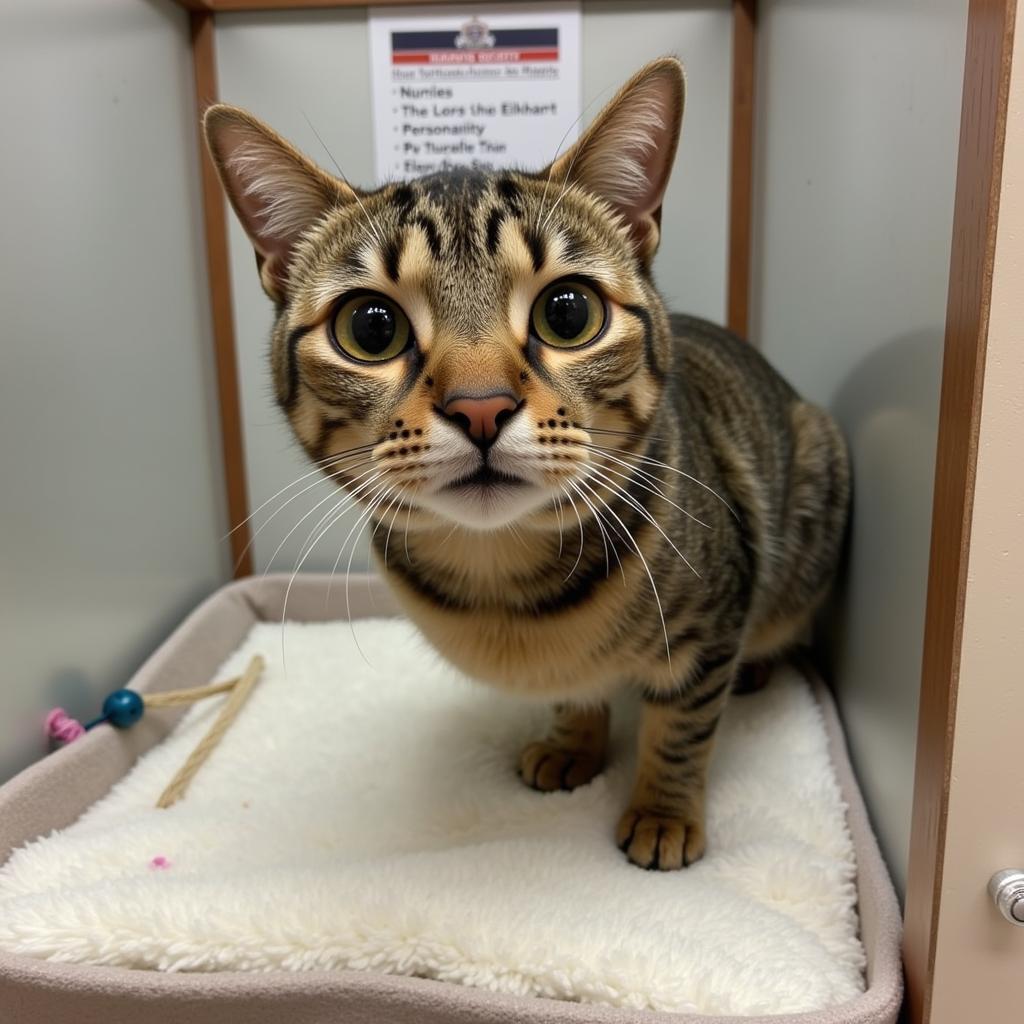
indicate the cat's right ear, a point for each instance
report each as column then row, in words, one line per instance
column 625, row 156
column 276, row 191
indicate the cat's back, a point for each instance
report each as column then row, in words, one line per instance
column 781, row 460
column 713, row 358
column 725, row 393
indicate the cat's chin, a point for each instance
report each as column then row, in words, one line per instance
column 485, row 506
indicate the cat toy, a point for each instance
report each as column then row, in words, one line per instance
column 123, row 708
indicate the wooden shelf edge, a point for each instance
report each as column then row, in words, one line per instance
column 976, row 208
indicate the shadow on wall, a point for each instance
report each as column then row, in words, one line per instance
column 873, row 632
column 81, row 691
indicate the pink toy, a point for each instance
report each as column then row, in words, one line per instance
column 62, row 728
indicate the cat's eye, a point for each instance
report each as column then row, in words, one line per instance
column 567, row 314
column 371, row 328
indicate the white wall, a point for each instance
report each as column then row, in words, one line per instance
column 315, row 64
column 110, row 482
column 858, row 120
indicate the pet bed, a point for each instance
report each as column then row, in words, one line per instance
column 359, row 843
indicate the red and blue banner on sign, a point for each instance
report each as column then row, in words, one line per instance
column 498, row 46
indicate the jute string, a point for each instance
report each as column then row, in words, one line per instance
column 174, row 697
column 240, row 689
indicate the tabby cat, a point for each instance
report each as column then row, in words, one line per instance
column 570, row 490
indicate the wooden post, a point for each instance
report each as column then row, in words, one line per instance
column 741, row 173
column 975, row 215
column 218, row 271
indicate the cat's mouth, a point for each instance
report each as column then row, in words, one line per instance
column 485, row 499
column 486, row 477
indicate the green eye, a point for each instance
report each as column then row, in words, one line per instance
column 371, row 328
column 567, row 314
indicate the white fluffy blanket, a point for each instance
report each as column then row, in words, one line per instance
column 371, row 818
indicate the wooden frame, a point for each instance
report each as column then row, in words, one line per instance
column 975, row 215
column 215, row 228
column 741, row 160
column 983, row 120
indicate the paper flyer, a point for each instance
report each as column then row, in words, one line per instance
column 483, row 86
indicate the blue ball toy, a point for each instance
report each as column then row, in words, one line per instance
column 123, row 708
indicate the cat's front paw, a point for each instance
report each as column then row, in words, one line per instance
column 547, row 767
column 658, row 842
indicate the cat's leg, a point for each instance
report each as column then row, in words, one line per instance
column 663, row 827
column 573, row 752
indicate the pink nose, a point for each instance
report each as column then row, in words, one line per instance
column 481, row 417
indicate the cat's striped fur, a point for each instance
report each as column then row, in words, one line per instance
column 682, row 508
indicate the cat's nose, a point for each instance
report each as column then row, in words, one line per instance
column 480, row 416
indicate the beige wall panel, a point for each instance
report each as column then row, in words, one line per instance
column 979, row 955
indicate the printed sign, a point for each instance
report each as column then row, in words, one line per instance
column 466, row 86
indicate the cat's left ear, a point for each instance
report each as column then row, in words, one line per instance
column 625, row 156
column 276, row 191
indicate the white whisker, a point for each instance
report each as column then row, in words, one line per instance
column 323, row 501
column 298, row 566
column 600, row 526
column 408, row 514
column 558, row 149
column 672, row 469
column 321, row 465
column 266, row 522
column 560, row 538
column 371, row 499
column 580, row 554
column 518, row 536
column 643, row 561
column 653, row 490
column 596, row 473
column 341, row 174
column 387, row 539
column 367, row 517
column 396, row 500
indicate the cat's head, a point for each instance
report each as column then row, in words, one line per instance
column 457, row 342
